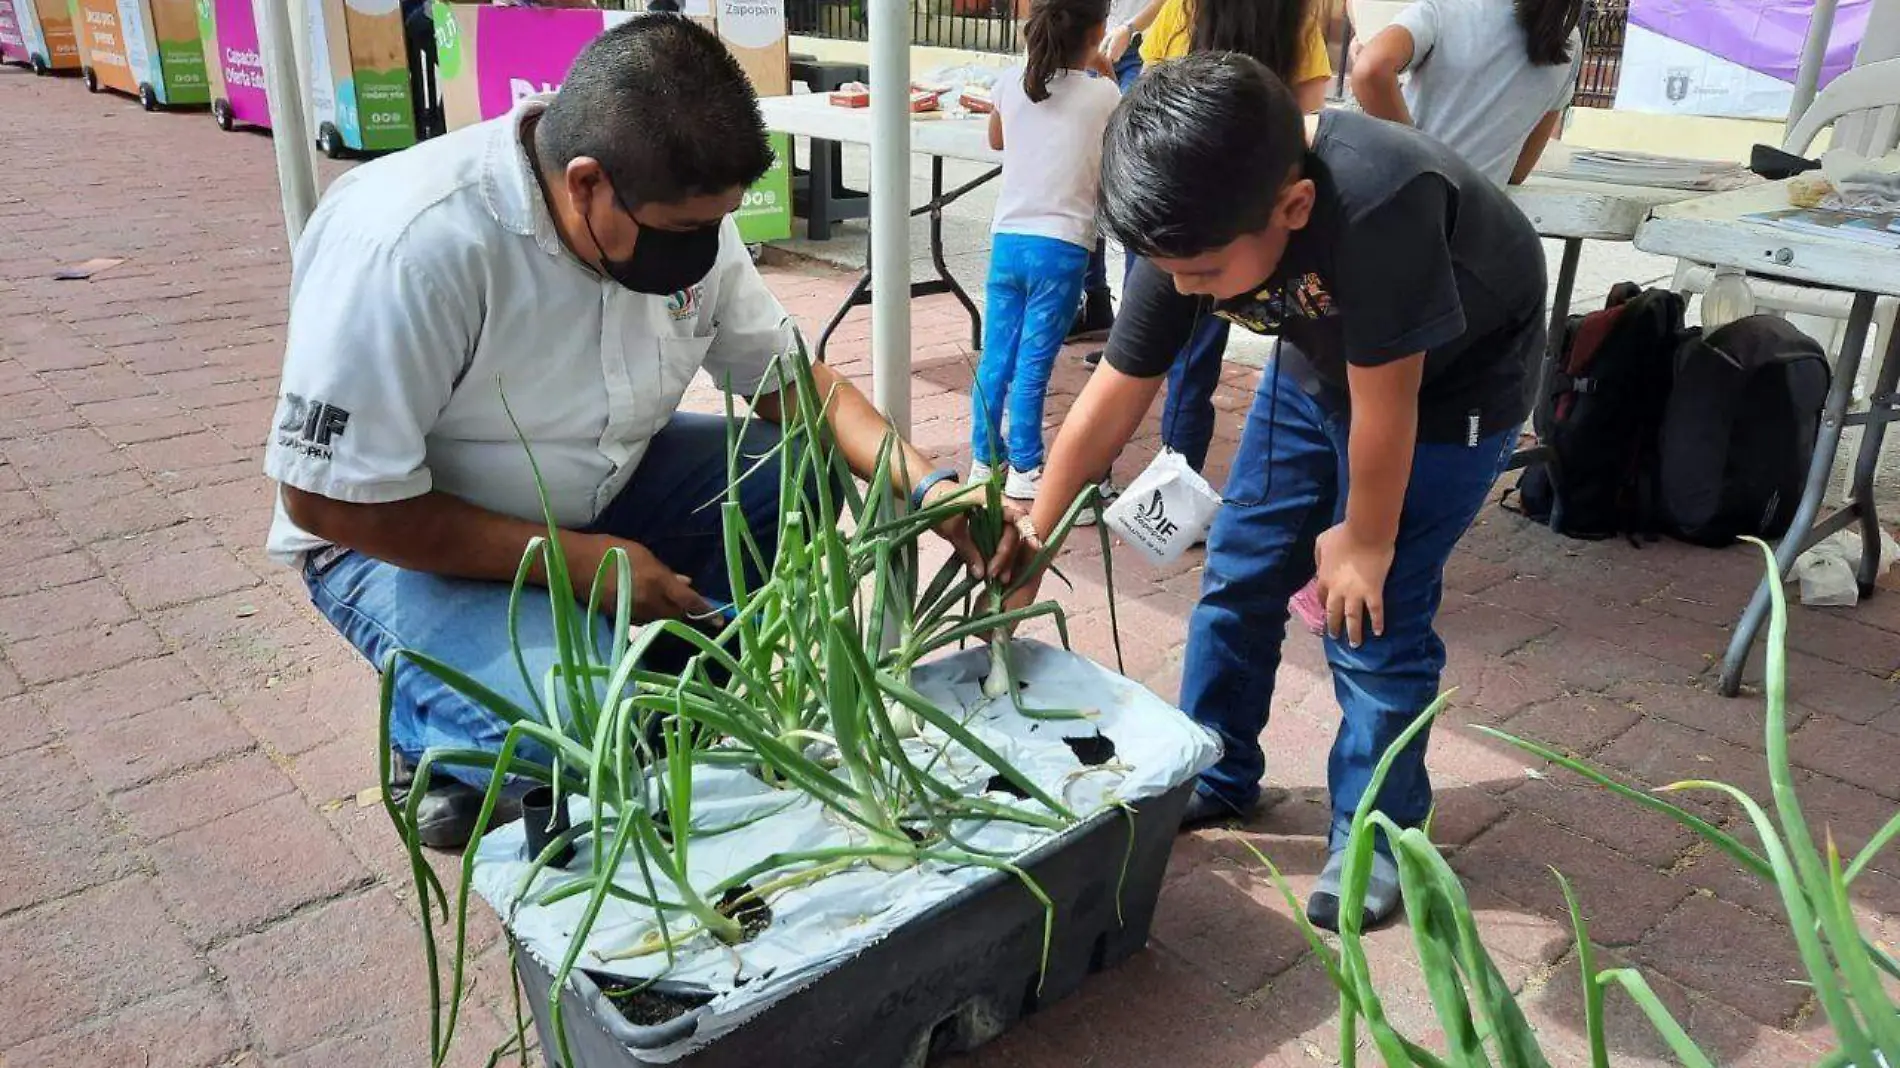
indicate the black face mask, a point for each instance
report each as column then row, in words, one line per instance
column 664, row 262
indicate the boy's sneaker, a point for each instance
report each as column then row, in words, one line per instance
column 1023, row 485
column 1108, row 492
column 980, row 473
column 1095, row 318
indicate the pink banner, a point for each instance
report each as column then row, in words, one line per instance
column 243, row 66
column 12, row 41
column 523, row 50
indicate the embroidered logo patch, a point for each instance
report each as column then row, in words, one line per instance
column 683, row 304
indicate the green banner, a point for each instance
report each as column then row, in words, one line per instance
column 183, row 63
column 384, row 111
column 766, row 212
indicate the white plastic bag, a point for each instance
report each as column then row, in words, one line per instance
column 1166, row 511
column 1827, row 571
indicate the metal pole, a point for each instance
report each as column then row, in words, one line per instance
column 290, row 134
column 1807, row 77
column 890, row 209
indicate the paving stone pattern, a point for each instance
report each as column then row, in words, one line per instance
column 190, row 880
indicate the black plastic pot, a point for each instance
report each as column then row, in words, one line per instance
column 946, row 982
column 543, row 824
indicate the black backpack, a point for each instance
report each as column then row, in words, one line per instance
column 1738, row 432
column 1600, row 416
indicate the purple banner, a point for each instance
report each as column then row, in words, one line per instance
column 242, row 64
column 1764, row 36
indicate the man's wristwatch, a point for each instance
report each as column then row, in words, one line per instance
column 928, row 483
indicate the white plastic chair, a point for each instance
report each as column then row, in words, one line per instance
column 1869, row 95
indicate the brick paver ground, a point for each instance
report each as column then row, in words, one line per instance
column 190, row 880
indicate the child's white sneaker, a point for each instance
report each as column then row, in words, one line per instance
column 1108, row 491
column 1023, row 485
column 979, row 474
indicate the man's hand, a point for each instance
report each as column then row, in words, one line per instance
column 956, row 529
column 1352, row 575
column 658, row 592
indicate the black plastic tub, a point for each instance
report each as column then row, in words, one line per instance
column 946, row 982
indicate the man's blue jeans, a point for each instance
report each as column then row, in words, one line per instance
column 381, row 608
column 1288, row 487
column 1030, row 298
column 1187, row 414
column 1127, row 69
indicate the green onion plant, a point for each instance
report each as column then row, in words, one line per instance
column 806, row 683
column 1482, row 1023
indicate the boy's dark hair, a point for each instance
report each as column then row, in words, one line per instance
column 663, row 107
column 1054, row 34
column 1197, row 153
column 1547, row 26
column 1271, row 31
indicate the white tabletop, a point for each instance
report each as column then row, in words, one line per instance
column 1597, row 211
column 1711, row 230
column 812, row 115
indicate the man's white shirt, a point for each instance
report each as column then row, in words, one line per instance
column 430, row 284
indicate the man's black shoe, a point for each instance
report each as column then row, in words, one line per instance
column 1093, row 358
column 446, row 815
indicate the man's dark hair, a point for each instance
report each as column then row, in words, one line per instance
column 1197, row 153
column 662, row 105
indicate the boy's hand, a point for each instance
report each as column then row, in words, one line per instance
column 1352, row 575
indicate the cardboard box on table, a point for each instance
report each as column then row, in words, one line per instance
column 489, row 57
column 143, row 48
column 234, row 67
column 359, row 86
column 38, row 34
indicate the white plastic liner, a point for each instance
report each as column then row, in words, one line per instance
column 816, row 928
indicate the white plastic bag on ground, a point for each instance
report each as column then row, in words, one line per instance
column 1827, row 571
column 1165, row 511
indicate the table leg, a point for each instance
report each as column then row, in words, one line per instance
column 1795, row 541
column 860, row 294
column 1559, row 317
column 944, row 282
column 937, row 204
column 1883, row 407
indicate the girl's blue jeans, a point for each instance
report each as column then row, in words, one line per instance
column 1288, row 487
column 1033, row 286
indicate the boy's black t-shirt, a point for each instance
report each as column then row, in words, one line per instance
column 1408, row 250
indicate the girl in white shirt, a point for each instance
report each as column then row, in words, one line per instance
column 1048, row 123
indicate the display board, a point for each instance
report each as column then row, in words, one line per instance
column 359, row 86
column 489, row 57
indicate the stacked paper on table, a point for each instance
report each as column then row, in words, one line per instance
column 1878, row 228
column 1661, row 172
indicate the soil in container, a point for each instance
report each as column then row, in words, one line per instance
column 1092, row 750
column 999, row 784
column 646, row 1005
column 754, row 915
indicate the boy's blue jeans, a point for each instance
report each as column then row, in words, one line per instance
column 1288, row 487
column 1034, row 283
column 381, row 608
column 1187, row 414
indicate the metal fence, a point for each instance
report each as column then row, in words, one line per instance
column 973, row 25
column 1604, row 23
